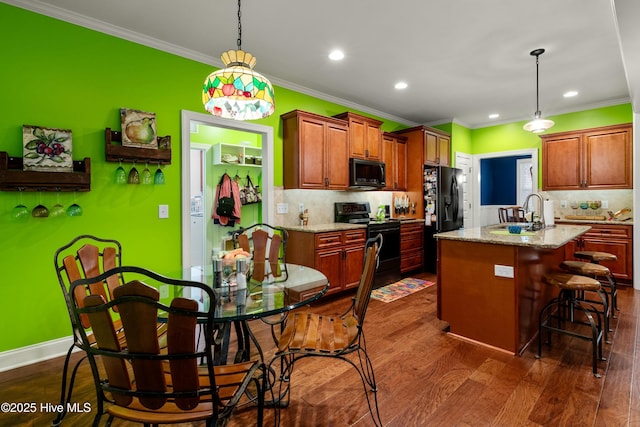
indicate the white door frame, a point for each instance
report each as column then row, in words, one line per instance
column 188, row 118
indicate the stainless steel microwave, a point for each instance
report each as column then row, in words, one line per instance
column 366, row 174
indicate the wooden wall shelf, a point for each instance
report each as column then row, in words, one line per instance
column 14, row 178
column 117, row 153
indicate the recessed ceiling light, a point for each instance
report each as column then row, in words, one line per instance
column 401, row 85
column 570, row 94
column 494, row 116
column 336, row 55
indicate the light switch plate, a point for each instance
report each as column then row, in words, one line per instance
column 503, row 271
column 282, row 208
column 163, row 211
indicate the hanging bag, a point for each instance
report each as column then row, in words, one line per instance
column 252, row 192
column 225, row 204
column 242, row 190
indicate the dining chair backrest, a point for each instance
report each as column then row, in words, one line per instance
column 371, row 260
column 87, row 256
column 267, row 245
column 511, row 214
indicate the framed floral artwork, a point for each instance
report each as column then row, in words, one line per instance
column 46, row 149
column 138, row 129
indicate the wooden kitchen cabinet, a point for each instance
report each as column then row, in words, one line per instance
column 612, row 238
column 411, row 246
column 339, row 255
column 598, row 158
column 436, row 144
column 365, row 137
column 394, row 155
column 315, row 151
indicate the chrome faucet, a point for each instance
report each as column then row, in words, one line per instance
column 539, row 224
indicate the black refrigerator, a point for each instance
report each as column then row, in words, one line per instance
column 443, row 209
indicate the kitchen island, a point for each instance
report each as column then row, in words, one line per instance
column 489, row 281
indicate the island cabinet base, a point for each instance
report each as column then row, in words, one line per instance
column 480, row 304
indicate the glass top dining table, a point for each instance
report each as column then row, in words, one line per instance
column 302, row 286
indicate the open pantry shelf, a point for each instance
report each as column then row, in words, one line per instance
column 231, row 154
column 117, row 152
column 14, row 178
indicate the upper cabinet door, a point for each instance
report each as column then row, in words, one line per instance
column 337, row 167
column 444, row 150
column 608, row 156
column 561, row 164
column 365, row 137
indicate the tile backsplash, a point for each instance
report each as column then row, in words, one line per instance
column 320, row 203
column 616, row 199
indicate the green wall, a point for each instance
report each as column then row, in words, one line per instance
column 59, row 75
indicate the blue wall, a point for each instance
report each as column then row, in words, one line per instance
column 498, row 182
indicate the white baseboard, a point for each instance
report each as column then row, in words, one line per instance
column 34, row 353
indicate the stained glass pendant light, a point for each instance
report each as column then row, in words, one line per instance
column 237, row 91
column 538, row 124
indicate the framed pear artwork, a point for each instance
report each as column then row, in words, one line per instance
column 138, row 129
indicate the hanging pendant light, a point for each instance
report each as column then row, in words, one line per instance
column 538, row 124
column 236, row 91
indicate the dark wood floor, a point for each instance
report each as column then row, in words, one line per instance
column 426, row 378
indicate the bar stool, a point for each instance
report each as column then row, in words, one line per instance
column 596, row 271
column 562, row 310
column 595, row 257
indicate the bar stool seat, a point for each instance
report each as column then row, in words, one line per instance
column 596, row 271
column 596, row 257
column 562, row 309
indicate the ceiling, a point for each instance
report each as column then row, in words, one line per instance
column 461, row 59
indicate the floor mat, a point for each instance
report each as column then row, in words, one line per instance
column 402, row 288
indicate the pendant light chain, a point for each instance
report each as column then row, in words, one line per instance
column 239, row 27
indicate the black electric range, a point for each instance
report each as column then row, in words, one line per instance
column 389, row 256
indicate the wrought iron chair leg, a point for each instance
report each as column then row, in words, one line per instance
column 368, row 378
column 64, row 390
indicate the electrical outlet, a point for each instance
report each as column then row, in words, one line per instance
column 605, row 204
column 563, row 203
column 300, row 207
column 163, row 211
column 282, row 208
column 503, row 271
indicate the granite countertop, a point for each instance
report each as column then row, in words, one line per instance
column 321, row 228
column 605, row 222
column 548, row 238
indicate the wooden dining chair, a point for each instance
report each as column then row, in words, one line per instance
column 511, row 214
column 309, row 334
column 267, row 245
column 145, row 382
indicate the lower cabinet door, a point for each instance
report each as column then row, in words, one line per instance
column 621, row 268
column 352, row 266
column 329, row 262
